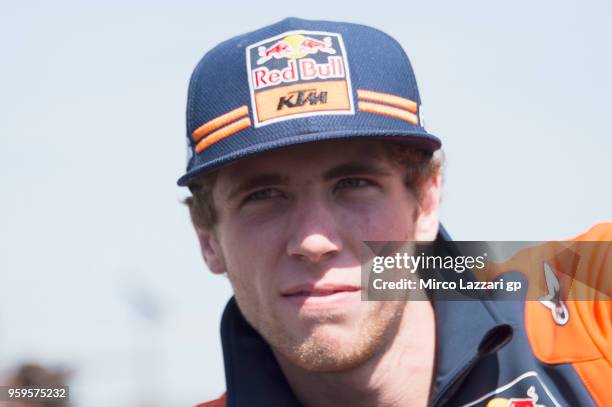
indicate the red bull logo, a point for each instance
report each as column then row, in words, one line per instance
column 527, row 390
column 295, row 46
column 296, row 74
column 530, row 401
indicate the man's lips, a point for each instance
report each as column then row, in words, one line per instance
column 310, row 290
column 322, row 296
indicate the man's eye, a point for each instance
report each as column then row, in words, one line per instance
column 262, row 194
column 353, row 183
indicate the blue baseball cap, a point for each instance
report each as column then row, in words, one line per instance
column 299, row 81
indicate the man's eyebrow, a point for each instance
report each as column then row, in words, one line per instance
column 257, row 181
column 342, row 170
column 355, row 168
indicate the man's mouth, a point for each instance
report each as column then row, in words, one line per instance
column 318, row 291
column 321, row 294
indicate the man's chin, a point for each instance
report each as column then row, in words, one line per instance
column 330, row 348
column 331, row 342
column 324, row 356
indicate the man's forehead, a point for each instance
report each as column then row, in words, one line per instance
column 318, row 156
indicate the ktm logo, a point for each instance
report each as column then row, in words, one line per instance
column 301, row 97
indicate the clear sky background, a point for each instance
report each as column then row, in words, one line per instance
column 99, row 268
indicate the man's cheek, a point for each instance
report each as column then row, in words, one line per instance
column 246, row 293
column 383, row 223
column 245, row 273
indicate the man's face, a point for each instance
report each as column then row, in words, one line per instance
column 290, row 232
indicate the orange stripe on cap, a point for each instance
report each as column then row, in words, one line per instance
column 222, row 133
column 219, row 121
column 387, row 98
column 388, row 111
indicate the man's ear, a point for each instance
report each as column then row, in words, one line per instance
column 428, row 218
column 211, row 251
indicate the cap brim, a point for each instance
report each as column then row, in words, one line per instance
column 421, row 141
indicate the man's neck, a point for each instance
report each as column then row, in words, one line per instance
column 400, row 374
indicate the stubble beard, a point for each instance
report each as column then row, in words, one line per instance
column 321, row 351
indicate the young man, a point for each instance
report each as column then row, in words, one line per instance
column 306, row 139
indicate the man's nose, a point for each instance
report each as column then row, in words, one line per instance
column 313, row 233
